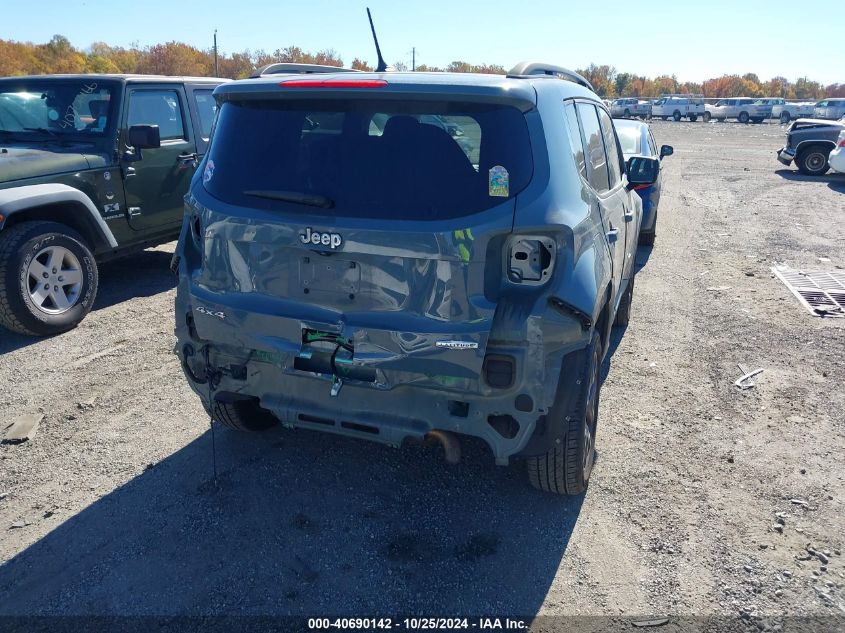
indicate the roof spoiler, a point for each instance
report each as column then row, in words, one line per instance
column 298, row 69
column 532, row 69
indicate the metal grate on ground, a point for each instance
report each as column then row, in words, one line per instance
column 822, row 293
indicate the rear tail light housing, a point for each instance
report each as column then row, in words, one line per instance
column 531, row 259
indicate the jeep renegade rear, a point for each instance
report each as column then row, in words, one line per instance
column 395, row 256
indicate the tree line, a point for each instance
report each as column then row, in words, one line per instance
column 176, row 58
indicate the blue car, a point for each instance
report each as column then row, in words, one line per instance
column 636, row 140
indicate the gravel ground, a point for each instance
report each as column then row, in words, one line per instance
column 706, row 500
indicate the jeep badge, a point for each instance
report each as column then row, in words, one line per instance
column 332, row 240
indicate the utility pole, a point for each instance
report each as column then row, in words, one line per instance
column 413, row 58
column 216, row 67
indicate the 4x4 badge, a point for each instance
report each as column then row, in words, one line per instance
column 332, row 240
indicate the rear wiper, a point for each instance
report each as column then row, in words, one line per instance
column 309, row 199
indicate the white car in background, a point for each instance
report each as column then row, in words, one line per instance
column 786, row 112
column 678, row 107
column 743, row 109
column 836, row 160
column 829, row 109
column 630, row 106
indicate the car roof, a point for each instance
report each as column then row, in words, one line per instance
column 130, row 78
column 630, row 123
column 524, row 88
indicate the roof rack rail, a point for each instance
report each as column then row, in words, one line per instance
column 532, row 69
column 298, row 69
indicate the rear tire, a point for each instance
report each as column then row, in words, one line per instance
column 623, row 314
column 785, row 117
column 48, row 278
column 676, row 115
column 707, row 117
column 743, row 117
column 566, row 468
column 647, row 239
column 812, row 161
column 243, row 415
column 627, row 113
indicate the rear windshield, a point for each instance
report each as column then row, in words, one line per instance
column 629, row 139
column 373, row 158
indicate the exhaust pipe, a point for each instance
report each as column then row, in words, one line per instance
column 450, row 442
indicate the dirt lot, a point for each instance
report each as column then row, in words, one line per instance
column 111, row 508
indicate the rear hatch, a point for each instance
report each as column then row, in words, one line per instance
column 357, row 231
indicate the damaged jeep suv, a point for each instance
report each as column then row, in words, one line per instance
column 348, row 265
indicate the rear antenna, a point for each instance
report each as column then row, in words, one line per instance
column 382, row 65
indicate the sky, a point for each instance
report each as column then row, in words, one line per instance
column 694, row 41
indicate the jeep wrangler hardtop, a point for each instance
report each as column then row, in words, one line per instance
column 91, row 167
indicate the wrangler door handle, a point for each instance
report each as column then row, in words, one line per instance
column 612, row 235
column 629, row 215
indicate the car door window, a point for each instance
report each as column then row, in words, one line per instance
column 575, row 141
column 157, row 107
column 597, row 162
column 206, row 109
column 611, row 146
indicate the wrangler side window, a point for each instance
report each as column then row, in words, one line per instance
column 157, row 107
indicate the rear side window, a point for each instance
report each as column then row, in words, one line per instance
column 206, row 108
column 575, row 142
column 614, row 158
column 370, row 158
column 597, row 162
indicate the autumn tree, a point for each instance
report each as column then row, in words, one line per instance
column 177, row 58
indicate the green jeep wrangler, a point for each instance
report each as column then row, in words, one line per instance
column 91, row 167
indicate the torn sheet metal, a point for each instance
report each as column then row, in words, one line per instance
column 821, row 293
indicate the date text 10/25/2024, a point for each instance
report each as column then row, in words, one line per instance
column 419, row 624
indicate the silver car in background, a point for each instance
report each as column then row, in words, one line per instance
column 743, row 109
column 630, row 107
column 829, row 109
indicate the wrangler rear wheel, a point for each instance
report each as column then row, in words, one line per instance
column 565, row 469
